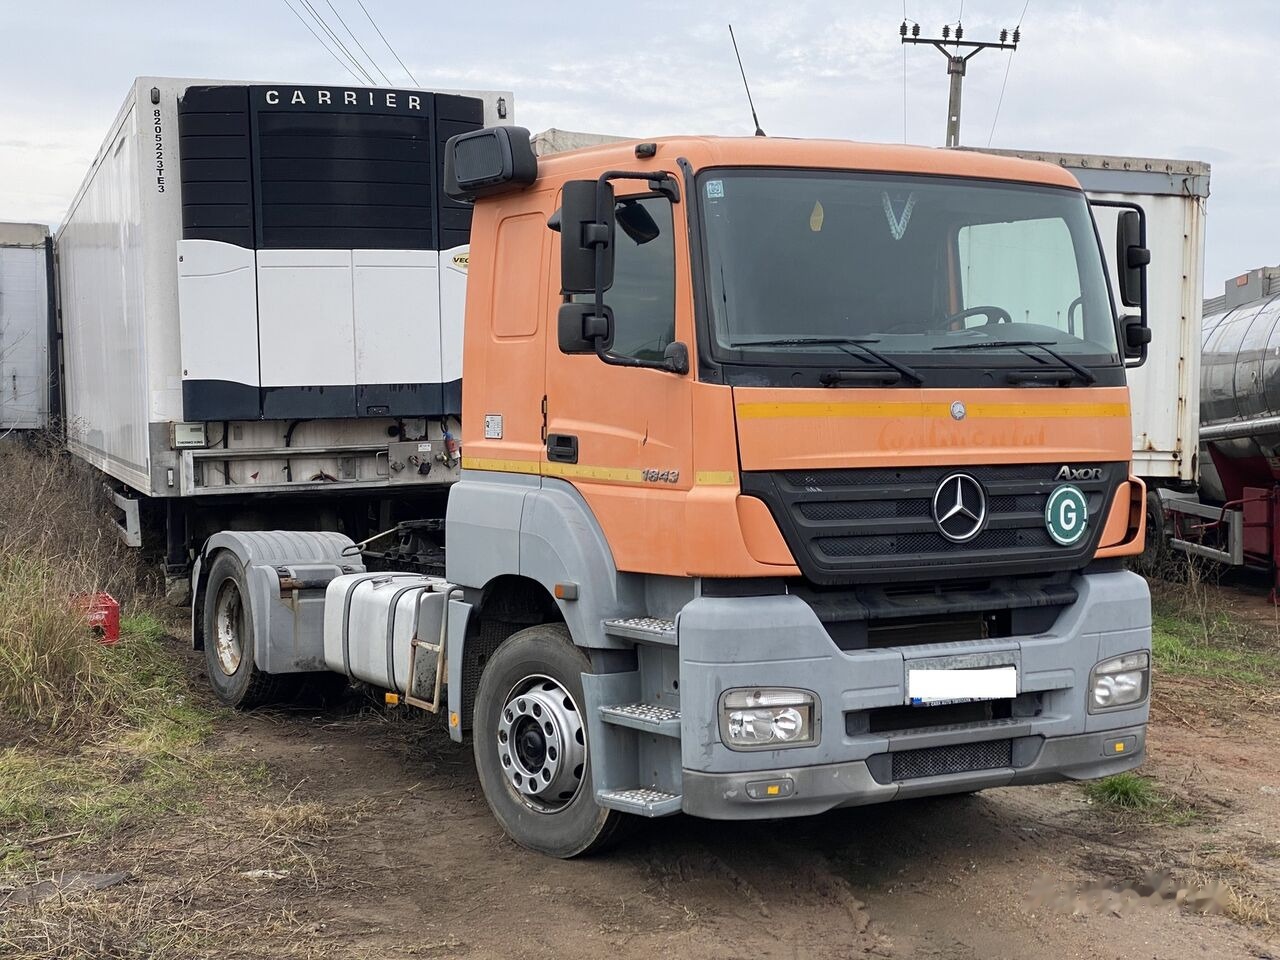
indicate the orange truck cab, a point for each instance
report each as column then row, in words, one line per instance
column 816, row 453
column 795, row 475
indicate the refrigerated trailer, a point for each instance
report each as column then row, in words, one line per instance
column 783, row 490
column 28, row 333
column 233, row 273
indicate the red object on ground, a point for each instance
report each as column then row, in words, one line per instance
column 102, row 610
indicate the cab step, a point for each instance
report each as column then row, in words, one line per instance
column 641, row 801
column 647, row 717
column 643, row 630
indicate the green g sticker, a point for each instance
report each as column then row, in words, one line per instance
column 1066, row 515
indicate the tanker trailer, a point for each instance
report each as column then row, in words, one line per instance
column 1235, row 518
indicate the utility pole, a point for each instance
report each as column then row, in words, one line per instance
column 956, row 62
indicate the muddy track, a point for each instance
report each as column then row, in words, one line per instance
column 427, row 872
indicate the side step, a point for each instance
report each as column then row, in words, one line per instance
column 642, row 801
column 643, row 630
column 647, row 717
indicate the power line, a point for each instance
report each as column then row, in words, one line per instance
column 358, row 43
column 321, row 42
column 1005, row 82
column 1000, row 99
column 388, row 43
column 333, row 35
column 337, row 40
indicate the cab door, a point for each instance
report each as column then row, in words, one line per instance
column 622, row 435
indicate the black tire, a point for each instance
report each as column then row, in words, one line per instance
column 578, row 825
column 235, row 680
column 1155, row 553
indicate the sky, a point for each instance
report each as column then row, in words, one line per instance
column 1165, row 79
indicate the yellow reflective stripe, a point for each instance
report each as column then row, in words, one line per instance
column 716, row 478
column 916, row 408
column 500, row 466
column 582, row 471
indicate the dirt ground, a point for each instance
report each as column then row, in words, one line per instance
column 377, row 842
column 1028, row 872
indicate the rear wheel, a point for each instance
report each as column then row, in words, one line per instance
column 229, row 641
column 531, row 749
column 1154, row 554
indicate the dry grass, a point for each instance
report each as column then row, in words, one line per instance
column 1243, row 889
column 56, row 546
column 1211, row 657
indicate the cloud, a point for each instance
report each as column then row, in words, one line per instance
column 1142, row 78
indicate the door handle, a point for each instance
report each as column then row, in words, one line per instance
column 562, row 448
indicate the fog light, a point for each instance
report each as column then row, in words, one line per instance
column 767, row 718
column 1119, row 682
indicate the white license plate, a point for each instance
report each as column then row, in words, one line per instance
column 954, row 686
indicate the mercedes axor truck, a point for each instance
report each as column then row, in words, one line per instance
column 795, row 475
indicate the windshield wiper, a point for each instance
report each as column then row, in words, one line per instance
column 1084, row 374
column 833, row 377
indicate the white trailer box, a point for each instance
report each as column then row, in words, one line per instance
column 1165, row 391
column 260, row 285
column 26, row 384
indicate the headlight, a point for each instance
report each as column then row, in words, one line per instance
column 1119, row 682
column 767, row 717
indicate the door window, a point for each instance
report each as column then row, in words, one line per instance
column 643, row 295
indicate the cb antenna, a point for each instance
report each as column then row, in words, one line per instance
column 759, row 132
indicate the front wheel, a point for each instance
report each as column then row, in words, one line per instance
column 531, row 749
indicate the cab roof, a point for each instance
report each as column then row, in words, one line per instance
column 706, row 152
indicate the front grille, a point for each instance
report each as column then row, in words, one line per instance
column 876, row 524
column 961, row 758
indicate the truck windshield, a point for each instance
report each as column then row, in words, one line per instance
column 799, row 261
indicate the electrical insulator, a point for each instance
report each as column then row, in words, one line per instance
column 1017, row 34
column 1004, row 36
column 946, row 32
column 959, row 31
column 915, row 29
column 902, row 30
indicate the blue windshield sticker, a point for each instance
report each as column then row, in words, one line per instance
column 715, row 189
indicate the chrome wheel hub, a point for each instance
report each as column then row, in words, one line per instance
column 542, row 745
column 228, row 625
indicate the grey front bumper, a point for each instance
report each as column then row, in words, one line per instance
column 815, row 789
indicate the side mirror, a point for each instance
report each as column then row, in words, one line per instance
column 581, row 328
column 484, row 163
column 1137, row 335
column 1132, row 257
column 583, row 232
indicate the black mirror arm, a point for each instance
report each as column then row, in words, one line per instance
column 676, row 359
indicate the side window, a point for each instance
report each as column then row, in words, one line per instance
column 643, row 295
column 1026, row 267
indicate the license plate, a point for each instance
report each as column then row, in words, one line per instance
column 961, row 686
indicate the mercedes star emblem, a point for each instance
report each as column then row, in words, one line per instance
column 957, row 410
column 959, row 507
